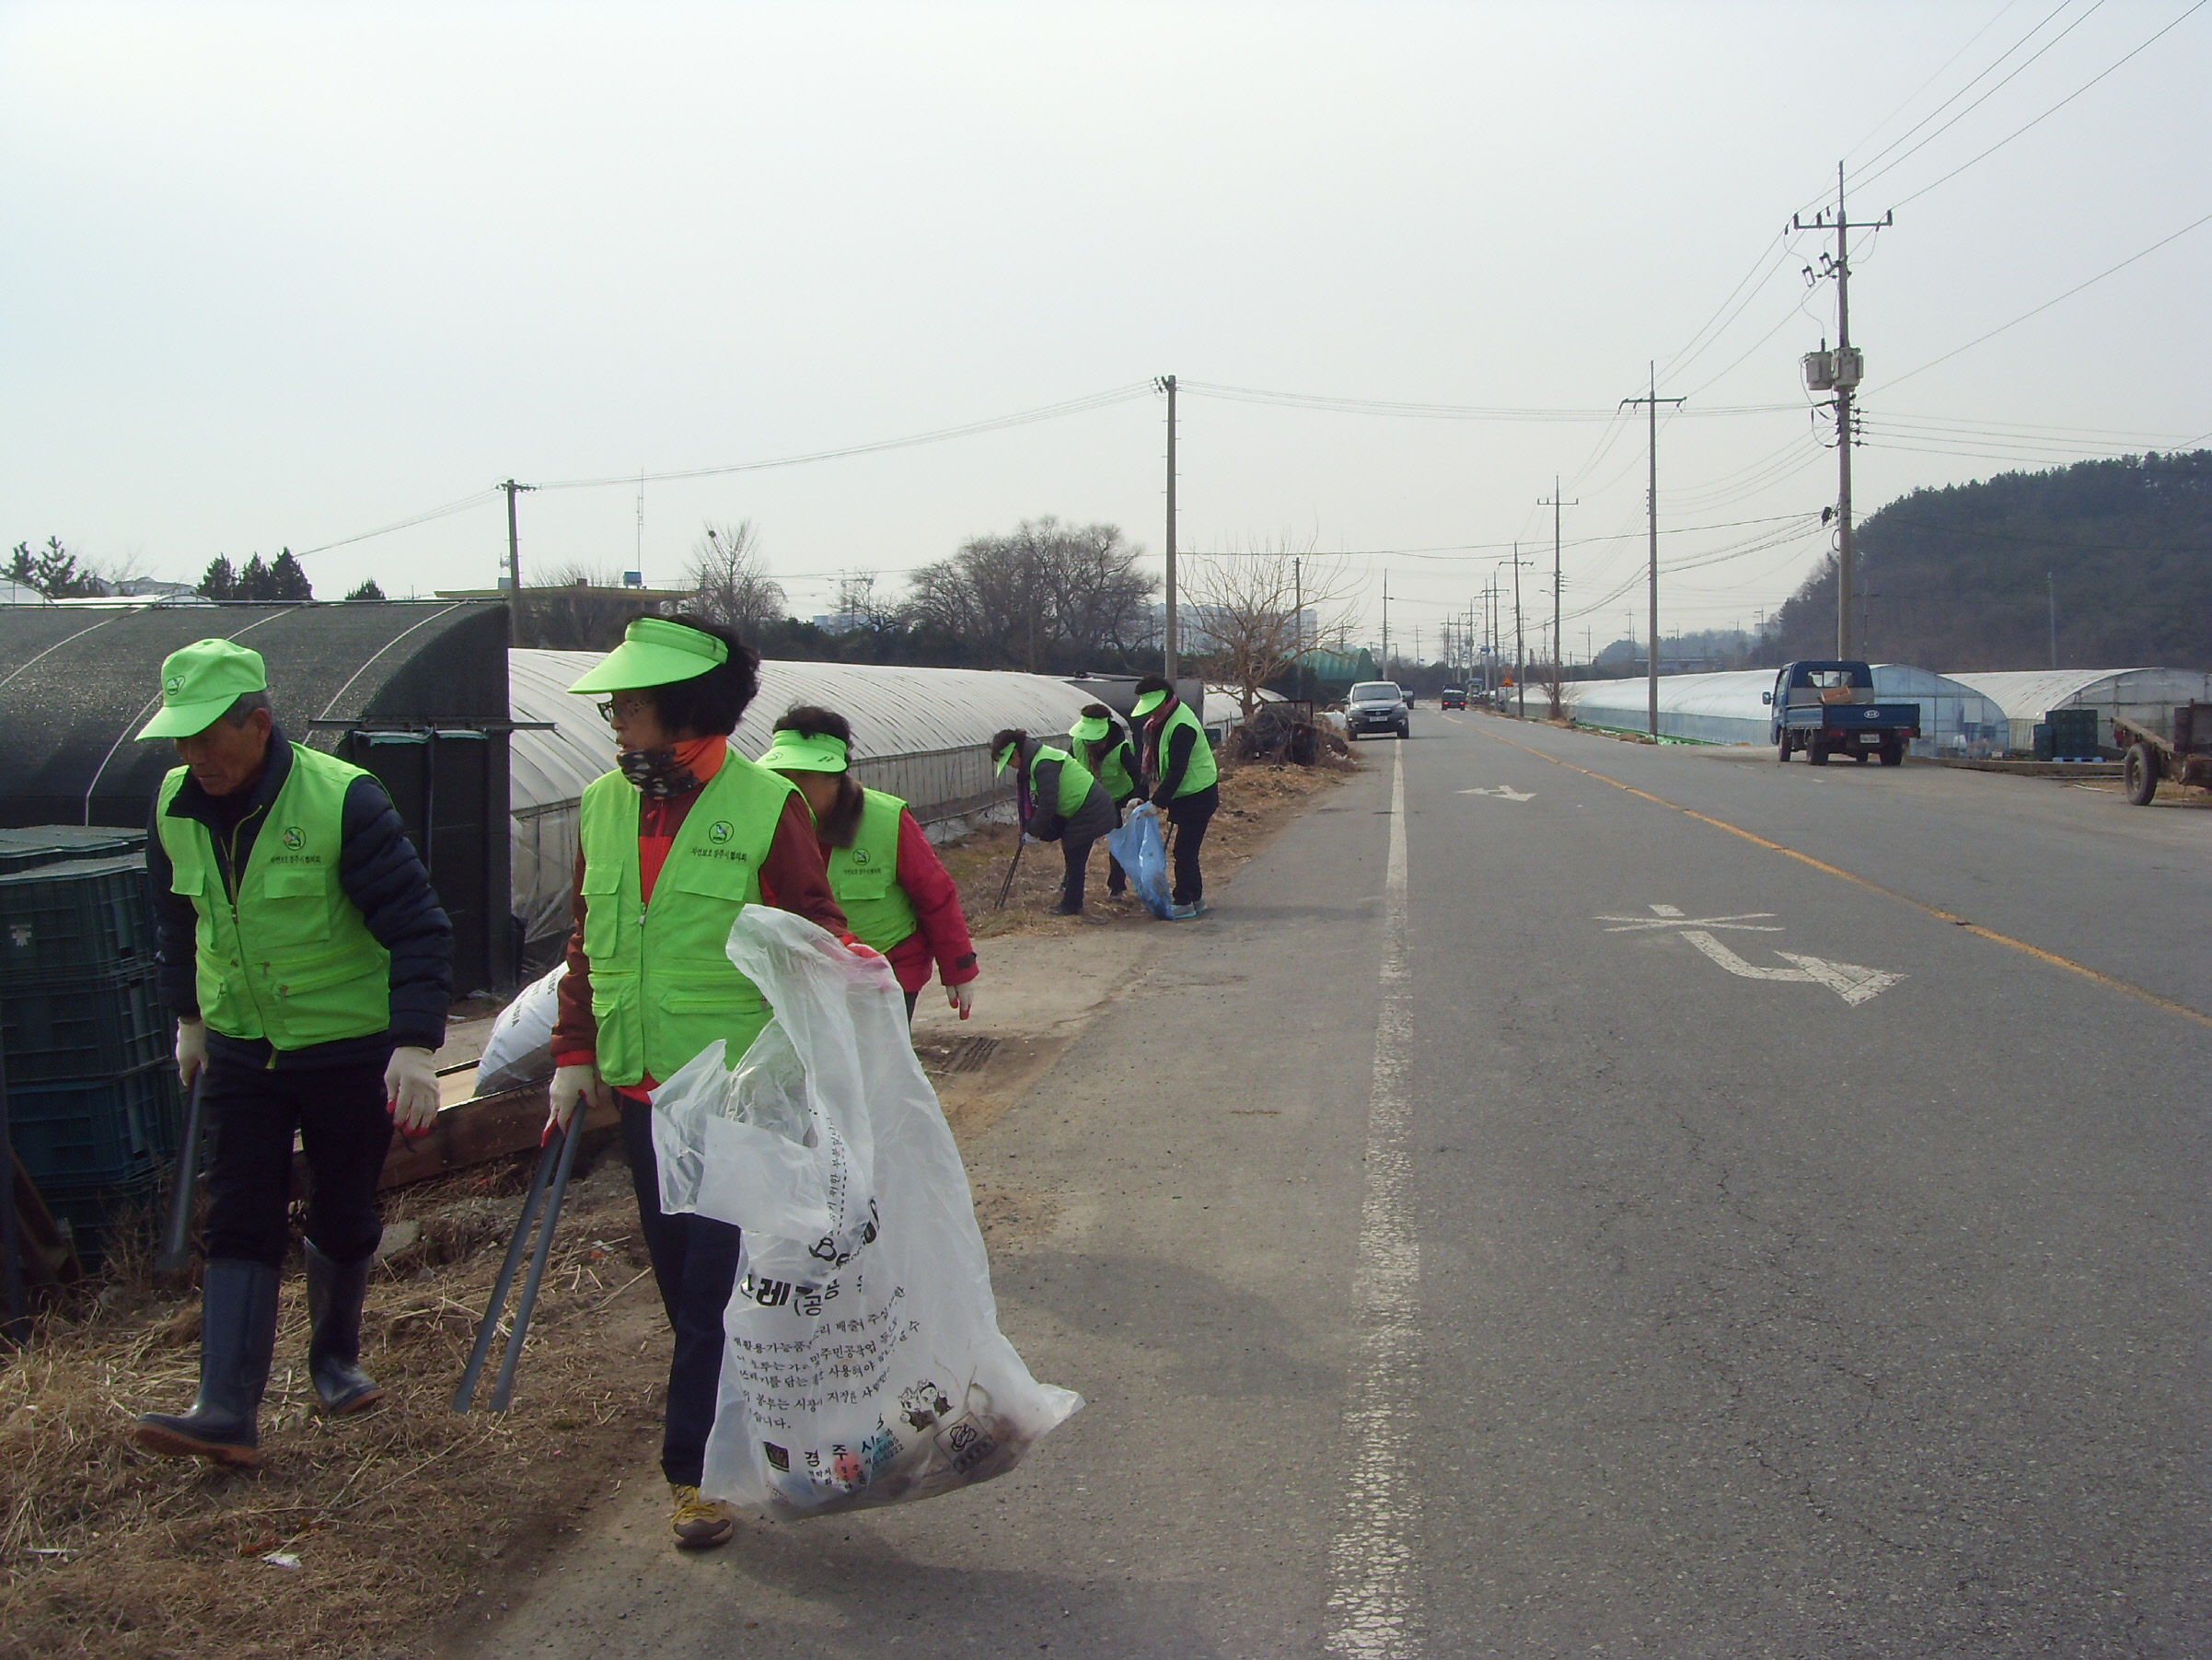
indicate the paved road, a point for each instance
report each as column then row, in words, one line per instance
column 1551, row 1221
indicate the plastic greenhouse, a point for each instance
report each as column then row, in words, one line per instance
column 2147, row 696
column 1725, row 708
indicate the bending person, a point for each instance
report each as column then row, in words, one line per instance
column 1102, row 744
column 670, row 846
column 1058, row 801
column 887, row 878
column 1185, row 783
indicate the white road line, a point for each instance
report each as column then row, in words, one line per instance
column 1372, row 1578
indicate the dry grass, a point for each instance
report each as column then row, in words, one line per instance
column 1258, row 799
column 394, row 1517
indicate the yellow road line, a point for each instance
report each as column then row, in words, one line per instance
column 2103, row 978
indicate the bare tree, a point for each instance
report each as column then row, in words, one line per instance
column 1048, row 594
column 730, row 582
column 1253, row 612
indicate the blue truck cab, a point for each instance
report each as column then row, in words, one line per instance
column 1828, row 708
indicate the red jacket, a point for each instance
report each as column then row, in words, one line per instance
column 942, row 933
column 792, row 878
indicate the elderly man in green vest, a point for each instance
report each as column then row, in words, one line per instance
column 1058, row 801
column 310, row 967
column 1185, row 783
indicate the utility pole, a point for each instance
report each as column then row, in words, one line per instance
column 1298, row 622
column 1520, row 654
column 513, row 543
column 1557, row 650
column 1166, row 383
column 1840, row 372
column 2050, row 581
column 1651, row 402
column 1384, row 667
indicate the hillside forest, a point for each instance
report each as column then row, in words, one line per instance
column 1965, row 577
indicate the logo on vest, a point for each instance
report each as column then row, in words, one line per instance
column 860, row 855
column 294, row 836
column 721, row 831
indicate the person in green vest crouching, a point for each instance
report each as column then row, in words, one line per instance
column 1058, row 800
column 1102, row 744
column 1185, row 783
column 895, row 892
column 670, row 846
column 309, row 966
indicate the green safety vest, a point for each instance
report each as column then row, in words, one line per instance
column 1203, row 769
column 1112, row 772
column 662, row 986
column 287, row 956
column 1075, row 779
column 864, row 877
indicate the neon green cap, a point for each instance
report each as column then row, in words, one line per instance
column 793, row 753
column 1149, row 701
column 1088, row 728
column 200, row 683
column 656, row 652
column 1005, row 760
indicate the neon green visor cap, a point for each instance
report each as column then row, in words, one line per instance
column 1089, row 728
column 200, row 683
column 793, row 753
column 1005, row 760
column 1149, row 701
column 656, row 652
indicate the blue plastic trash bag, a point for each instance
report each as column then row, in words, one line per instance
column 1139, row 850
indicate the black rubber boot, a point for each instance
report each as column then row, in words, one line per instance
column 238, row 1332
column 334, row 1292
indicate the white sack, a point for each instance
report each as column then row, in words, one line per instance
column 520, row 1050
column 864, row 1362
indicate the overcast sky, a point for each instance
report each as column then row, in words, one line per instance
column 284, row 274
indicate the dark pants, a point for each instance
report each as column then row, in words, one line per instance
column 913, row 998
column 339, row 1113
column 1117, row 880
column 1190, row 815
column 1077, row 852
column 695, row 1265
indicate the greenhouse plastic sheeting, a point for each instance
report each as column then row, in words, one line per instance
column 1725, row 708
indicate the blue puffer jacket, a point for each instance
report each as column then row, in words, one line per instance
column 381, row 875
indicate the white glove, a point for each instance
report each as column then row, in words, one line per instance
column 570, row 1084
column 962, row 996
column 191, row 1049
column 411, row 1086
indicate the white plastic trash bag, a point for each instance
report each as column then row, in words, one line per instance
column 864, row 1362
column 520, row 1050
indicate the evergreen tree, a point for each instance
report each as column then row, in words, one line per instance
column 367, row 590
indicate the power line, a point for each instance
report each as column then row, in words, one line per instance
column 2056, row 108
column 2069, row 294
column 1445, row 412
column 421, row 519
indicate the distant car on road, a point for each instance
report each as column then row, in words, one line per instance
column 1455, row 697
column 1376, row 706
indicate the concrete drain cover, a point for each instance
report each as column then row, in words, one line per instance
column 966, row 1054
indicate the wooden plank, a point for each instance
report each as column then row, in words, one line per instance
column 474, row 1130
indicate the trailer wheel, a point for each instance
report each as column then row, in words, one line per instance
column 1816, row 752
column 2141, row 769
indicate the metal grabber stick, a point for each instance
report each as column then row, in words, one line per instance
column 1012, row 864
column 175, row 1257
column 553, row 1151
column 502, row 1387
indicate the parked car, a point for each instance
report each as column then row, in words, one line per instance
column 1455, row 697
column 1376, row 706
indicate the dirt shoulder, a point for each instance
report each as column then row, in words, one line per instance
column 402, row 1531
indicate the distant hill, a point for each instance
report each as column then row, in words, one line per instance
column 1955, row 579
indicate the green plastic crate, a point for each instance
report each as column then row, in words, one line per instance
column 98, row 1028
column 23, row 849
column 96, row 1134
column 100, row 1217
column 74, row 920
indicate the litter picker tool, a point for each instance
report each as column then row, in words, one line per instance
column 548, row 1185
column 174, row 1261
column 1012, row 864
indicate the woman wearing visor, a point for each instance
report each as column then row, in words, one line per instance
column 887, row 878
column 1058, row 801
column 670, row 846
column 1102, row 744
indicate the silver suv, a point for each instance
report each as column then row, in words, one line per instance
column 1376, row 706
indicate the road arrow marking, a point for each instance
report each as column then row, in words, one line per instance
column 1849, row 982
column 1504, row 791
